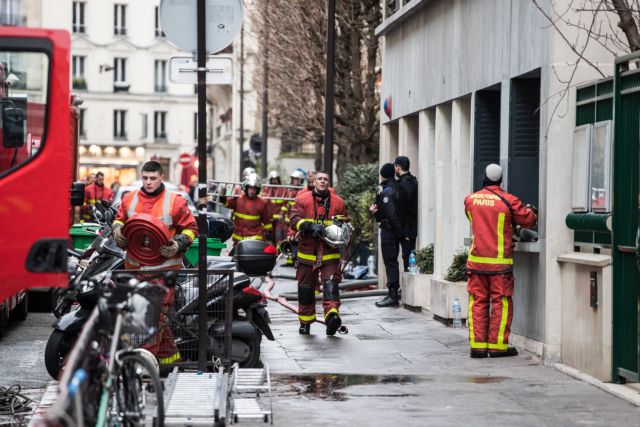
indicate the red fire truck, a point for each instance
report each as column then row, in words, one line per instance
column 37, row 163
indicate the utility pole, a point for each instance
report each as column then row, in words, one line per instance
column 265, row 91
column 241, row 99
column 329, row 88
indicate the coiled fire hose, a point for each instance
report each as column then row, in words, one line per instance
column 146, row 233
column 12, row 401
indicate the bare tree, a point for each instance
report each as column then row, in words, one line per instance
column 612, row 25
column 297, row 59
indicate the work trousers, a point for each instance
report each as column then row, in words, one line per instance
column 389, row 245
column 163, row 345
column 408, row 245
column 307, row 276
column 490, row 311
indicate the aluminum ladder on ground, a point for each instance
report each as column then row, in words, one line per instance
column 196, row 398
column 251, row 394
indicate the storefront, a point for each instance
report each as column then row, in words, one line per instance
column 119, row 164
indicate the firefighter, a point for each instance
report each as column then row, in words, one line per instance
column 310, row 214
column 251, row 213
column 172, row 209
column 277, row 206
column 493, row 214
column 392, row 233
column 96, row 193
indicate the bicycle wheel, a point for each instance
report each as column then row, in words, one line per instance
column 132, row 394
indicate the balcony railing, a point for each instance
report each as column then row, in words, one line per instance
column 120, row 31
column 79, row 28
column 160, row 88
column 79, row 83
column 121, row 86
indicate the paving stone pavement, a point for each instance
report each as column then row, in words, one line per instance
column 397, row 367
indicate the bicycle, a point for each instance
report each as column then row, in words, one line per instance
column 129, row 312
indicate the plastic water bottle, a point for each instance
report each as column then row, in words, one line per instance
column 457, row 314
column 413, row 267
column 371, row 264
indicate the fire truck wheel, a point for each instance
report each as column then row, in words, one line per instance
column 21, row 310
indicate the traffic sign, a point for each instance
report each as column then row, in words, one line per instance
column 183, row 69
column 179, row 23
column 185, row 159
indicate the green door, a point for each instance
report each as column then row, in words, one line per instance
column 626, row 206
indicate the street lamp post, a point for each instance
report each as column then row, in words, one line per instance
column 265, row 92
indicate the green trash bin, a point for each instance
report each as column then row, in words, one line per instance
column 83, row 234
column 214, row 247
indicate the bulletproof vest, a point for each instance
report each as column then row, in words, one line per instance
column 407, row 187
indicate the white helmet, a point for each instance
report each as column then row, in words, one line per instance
column 297, row 174
column 251, row 181
column 274, row 175
column 246, row 172
column 338, row 234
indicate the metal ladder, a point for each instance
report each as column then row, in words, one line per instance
column 251, row 394
column 193, row 399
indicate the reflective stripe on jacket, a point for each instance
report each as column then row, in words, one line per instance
column 171, row 208
column 308, row 208
column 251, row 217
column 491, row 221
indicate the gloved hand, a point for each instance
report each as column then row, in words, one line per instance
column 317, row 230
column 533, row 208
column 306, row 227
column 170, row 250
column 121, row 241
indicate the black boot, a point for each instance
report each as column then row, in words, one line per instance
column 304, row 329
column 511, row 351
column 391, row 300
column 333, row 323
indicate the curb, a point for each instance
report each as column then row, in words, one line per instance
column 621, row 391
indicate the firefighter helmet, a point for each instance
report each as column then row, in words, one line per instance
column 246, row 172
column 297, row 174
column 252, row 181
column 274, row 175
column 338, row 234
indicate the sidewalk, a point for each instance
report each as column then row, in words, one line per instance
column 396, row 367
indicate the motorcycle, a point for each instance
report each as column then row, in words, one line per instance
column 101, row 256
column 247, row 329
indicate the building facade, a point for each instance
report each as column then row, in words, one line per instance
column 130, row 112
column 473, row 82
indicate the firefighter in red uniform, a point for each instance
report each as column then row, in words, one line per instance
column 172, row 209
column 251, row 213
column 311, row 213
column 95, row 193
column 278, row 207
column 493, row 213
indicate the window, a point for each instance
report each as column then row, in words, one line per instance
column 119, row 124
column 78, row 17
column 79, row 81
column 160, row 73
column 10, row 13
column 82, row 114
column 160, row 123
column 145, row 126
column 120, row 75
column 120, row 19
column 158, row 32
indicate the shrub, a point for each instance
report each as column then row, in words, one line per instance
column 457, row 272
column 358, row 190
column 424, row 259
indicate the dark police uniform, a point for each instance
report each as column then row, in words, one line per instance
column 391, row 234
column 407, row 186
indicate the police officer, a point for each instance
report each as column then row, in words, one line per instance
column 407, row 185
column 385, row 210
